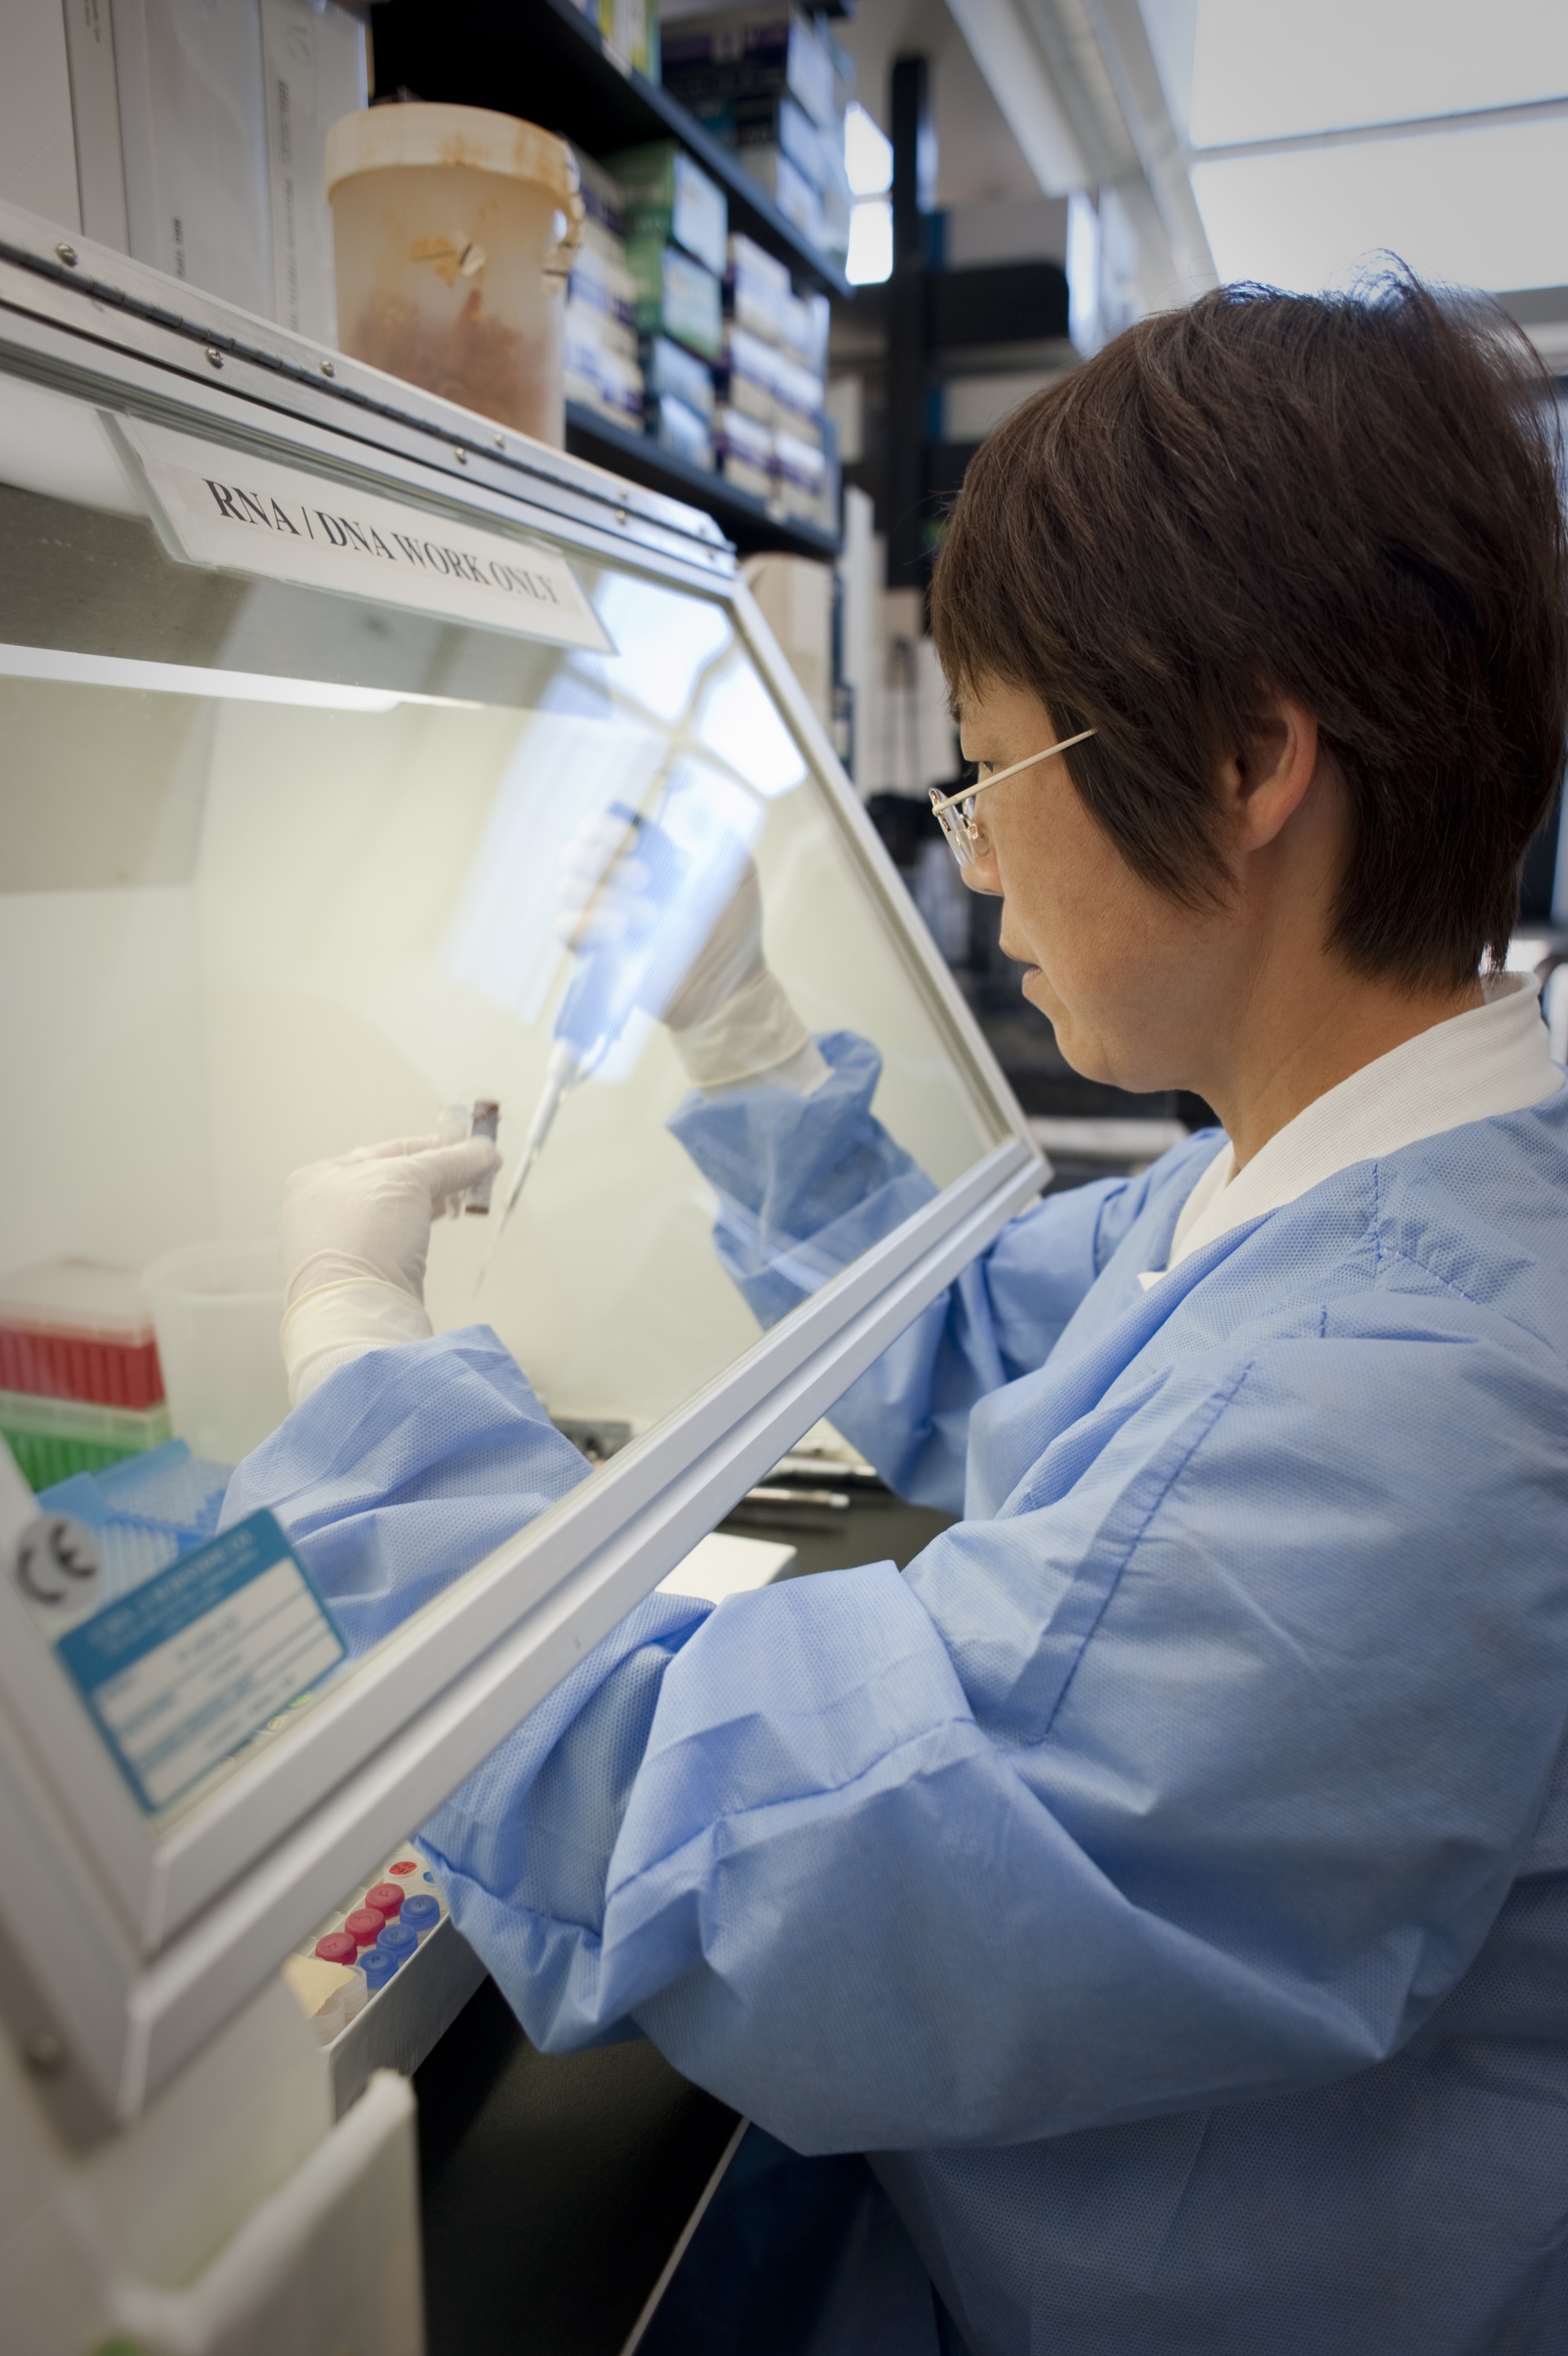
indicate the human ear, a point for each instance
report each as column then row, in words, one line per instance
column 1263, row 784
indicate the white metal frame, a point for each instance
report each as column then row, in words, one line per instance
column 168, row 1934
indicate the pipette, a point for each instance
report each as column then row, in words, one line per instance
column 609, row 983
column 689, row 860
column 561, row 1072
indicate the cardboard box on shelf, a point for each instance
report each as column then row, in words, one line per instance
column 742, row 122
column 767, row 384
column 836, row 207
column 200, row 135
column 803, row 471
column 747, row 386
column 600, row 374
column 745, row 450
column 599, row 343
column 602, row 201
column 756, row 289
column 760, row 52
column 667, row 197
column 758, row 297
column 804, row 331
column 630, row 27
column 787, row 188
column 669, row 367
column 677, row 297
column 603, row 284
column 681, row 430
column 796, row 595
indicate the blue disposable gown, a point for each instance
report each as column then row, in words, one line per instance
column 1164, row 1879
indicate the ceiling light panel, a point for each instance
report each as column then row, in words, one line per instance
column 1479, row 207
column 1274, row 69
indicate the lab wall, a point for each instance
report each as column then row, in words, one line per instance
column 108, row 1152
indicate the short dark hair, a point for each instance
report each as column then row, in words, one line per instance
column 1349, row 499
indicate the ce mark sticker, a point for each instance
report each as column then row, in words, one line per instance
column 57, row 1562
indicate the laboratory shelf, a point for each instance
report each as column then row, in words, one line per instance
column 745, row 520
column 543, row 60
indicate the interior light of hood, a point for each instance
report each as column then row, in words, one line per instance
column 65, row 665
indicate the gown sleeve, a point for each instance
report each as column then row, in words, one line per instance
column 1179, row 1784
column 806, row 1185
column 402, row 1471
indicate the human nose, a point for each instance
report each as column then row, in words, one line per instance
column 982, row 876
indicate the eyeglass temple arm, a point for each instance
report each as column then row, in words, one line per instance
column 966, row 793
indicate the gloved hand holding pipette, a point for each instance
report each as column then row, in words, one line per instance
column 665, row 917
column 617, row 930
column 727, row 1012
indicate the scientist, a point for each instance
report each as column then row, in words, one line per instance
column 1164, row 1881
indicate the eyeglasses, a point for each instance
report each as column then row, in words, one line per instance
column 954, row 813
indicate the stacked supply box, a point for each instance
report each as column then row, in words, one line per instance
column 677, row 221
column 602, row 367
column 680, row 400
column 772, row 84
column 630, row 29
column 837, row 196
column 770, row 428
column 80, row 1385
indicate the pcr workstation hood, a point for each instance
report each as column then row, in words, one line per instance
column 308, row 680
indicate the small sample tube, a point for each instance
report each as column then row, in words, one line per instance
column 365, row 1925
column 378, row 1964
column 337, row 1947
column 386, row 1898
column 486, row 1120
column 421, row 1914
column 397, row 1940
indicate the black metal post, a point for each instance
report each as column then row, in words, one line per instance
column 913, row 192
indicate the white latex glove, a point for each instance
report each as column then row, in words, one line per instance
column 355, row 1237
column 729, row 1017
column 729, row 961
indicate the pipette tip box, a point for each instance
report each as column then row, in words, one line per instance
column 78, row 1329
column 53, row 1437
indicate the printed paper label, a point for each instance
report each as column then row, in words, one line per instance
column 221, row 507
column 189, row 1665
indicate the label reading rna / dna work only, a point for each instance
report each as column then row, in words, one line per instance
column 221, row 507
column 189, row 1665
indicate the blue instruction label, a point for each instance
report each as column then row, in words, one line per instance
column 189, row 1665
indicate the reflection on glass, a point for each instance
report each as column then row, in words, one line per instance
column 248, row 926
column 740, row 723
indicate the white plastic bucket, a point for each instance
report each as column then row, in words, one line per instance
column 454, row 231
column 217, row 1309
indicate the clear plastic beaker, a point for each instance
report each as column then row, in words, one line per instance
column 217, row 1309
column 454, row 232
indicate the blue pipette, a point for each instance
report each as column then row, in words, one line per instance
column 611, row 981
